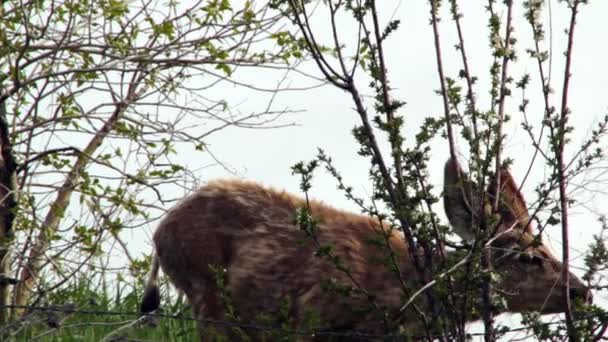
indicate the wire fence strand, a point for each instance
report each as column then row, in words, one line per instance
column 70, row 309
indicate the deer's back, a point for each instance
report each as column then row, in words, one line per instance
column 250, row 232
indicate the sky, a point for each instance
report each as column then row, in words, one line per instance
column 325, row 115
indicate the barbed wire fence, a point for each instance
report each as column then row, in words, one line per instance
column 54, row 320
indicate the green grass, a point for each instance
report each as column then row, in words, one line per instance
column 99, row 305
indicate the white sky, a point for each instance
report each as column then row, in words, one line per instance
column 328, row 117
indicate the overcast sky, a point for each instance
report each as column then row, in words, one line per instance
column 327, row 115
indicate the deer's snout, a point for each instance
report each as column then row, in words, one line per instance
column 581, row 293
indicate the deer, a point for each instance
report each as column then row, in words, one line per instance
column 248, row 232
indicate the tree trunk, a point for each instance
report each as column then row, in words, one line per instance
column 8, row 208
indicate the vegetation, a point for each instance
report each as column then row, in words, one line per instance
column 403, row 194
column 87, row 310
column 97, row 97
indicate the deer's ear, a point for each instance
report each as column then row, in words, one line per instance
column 512, row 206
column 459, row 200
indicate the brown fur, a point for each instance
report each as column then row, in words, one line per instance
column 512, row 205
column 249, row 230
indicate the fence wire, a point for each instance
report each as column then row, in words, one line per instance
column 70, row 309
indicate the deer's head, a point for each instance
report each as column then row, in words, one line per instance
column 530, row 276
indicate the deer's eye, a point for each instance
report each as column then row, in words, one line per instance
column 531, row 259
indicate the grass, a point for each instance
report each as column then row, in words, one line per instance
column 101, row 312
